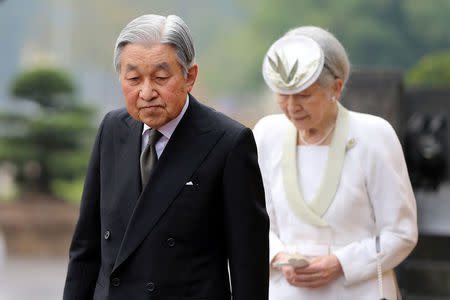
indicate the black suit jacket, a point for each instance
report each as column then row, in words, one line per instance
column 172, row 240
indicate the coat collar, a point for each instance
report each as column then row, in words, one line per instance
column 191, row 141
column 313, row 213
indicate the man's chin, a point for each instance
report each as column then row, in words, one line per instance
column 152, row 119
column 154, row 123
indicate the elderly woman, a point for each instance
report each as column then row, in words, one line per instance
column 337, row 188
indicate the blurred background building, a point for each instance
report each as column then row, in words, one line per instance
column 399, row 49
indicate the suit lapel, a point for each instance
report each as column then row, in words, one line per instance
column 190, row 143
column 126, row 154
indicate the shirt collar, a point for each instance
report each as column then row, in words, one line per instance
column 168, row 128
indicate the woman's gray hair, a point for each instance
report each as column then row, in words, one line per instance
column 150, row 30
column 337, row 64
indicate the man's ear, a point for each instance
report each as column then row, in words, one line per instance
column 191, row 76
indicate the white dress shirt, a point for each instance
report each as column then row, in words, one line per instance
column 166, row 131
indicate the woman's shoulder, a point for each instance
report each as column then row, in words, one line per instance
column 271, row 120
column 368, row 124
column 270, row 128
column 271, row 124
column 374, row 132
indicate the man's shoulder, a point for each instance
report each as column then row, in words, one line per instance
column 224, row 121
column 217, row 119
column 119, row 114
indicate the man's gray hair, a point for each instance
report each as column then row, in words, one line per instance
column 337, row 64
column 150, row 30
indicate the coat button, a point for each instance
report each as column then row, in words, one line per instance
column 150, row 286
column 115, row 282
column 171, row 242
column 107, row 234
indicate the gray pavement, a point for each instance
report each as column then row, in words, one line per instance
column 37, row 278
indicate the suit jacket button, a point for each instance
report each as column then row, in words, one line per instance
column 115, row 282
column 107, row 234
column 150, row 286
column 171, row 242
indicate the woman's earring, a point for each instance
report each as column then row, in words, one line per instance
column 333, row 99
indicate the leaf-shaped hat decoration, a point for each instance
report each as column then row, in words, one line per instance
column 280, row 68
column 303, row 54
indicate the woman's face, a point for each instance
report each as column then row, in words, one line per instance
column 309, row 108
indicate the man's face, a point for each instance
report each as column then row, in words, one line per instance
column 153, row 84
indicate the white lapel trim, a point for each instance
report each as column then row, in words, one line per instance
column 313, row 213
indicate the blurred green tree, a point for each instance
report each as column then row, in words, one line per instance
column 50, row 141
column 381, row 34
column 432, row 71
column 45, row 86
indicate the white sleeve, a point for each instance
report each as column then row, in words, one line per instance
column 394, row 207
column 276, row 246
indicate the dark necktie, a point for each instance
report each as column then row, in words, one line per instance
column 148, row 156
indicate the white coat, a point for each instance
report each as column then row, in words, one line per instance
column 374, row 197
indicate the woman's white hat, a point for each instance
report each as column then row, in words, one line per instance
column 292, row 64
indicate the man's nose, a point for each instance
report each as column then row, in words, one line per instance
column 147, row 92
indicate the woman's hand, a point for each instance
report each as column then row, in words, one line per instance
column 288, row 271
column 320, row 272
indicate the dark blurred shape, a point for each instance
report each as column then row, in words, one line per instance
column 426, row 149
column 426, row 273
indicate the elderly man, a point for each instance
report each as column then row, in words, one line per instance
column 173, row 203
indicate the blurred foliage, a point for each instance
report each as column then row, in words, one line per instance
column 52, row 142
column 43, row 85
column 231, row 37
column 382, row 34
column 432, row 71
column 69, row 190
